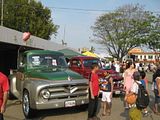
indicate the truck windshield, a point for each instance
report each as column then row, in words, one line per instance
column 46, row 60
column 89, row 63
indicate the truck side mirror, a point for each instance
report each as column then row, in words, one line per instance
column 22, row 66
column 79, row 65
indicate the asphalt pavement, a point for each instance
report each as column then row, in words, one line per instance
column 14, row 111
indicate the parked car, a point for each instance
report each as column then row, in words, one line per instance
column 43, row 81
column 82, row 65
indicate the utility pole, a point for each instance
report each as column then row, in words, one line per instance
column 2, row 12
column 64, row 37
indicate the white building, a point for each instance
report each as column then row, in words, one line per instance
column 143, row 56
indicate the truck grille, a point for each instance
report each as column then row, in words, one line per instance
column 68, row 91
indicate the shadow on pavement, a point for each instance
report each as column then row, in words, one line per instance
column 42, row 114
column 125, row 114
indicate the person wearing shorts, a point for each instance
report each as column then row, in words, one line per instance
column 157, row 95
column 156, row 88
column 106, row 86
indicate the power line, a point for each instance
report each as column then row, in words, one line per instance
column 88, row 10
column 81, row 9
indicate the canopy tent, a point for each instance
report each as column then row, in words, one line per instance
column 87, row 53
column 68, row 53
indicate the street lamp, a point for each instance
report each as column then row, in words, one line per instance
column 2, row 13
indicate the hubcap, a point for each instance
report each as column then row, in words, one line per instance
column 26, row 104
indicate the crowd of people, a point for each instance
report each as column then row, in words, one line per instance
column 135, row 86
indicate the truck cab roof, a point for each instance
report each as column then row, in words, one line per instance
column 43, row 52
column 84, row 57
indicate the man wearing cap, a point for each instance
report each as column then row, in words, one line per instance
column 4, row 87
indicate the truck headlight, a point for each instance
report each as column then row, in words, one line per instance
column 45, row 94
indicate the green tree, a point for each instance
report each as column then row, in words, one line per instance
column 29, row 15
column 153, row 37
column 121, row 30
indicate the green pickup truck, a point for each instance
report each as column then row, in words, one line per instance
column 43, row 81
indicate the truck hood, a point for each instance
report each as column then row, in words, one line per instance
column 56, row 74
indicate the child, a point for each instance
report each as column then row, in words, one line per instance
column 94, row 93
column 134, row 113
column 144, row 83
column 106, row 86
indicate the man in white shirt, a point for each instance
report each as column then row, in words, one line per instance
column 117, row 66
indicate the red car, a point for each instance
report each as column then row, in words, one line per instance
column 82, row 65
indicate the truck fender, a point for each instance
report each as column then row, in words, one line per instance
column 13, row 88
column 29, row 87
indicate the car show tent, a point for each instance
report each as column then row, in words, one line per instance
column 68, row 53
column 88, row 53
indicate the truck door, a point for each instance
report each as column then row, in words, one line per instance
column 86, row 68
column 76, row 66
column 17, row 78
column 87, row 72
column 22, row 62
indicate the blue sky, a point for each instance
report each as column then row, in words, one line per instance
column 78, row 23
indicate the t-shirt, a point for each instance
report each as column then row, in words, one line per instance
column 117, row 67
column 105, row 84
column 95, row 83
column 143, row 83
column 4, row 86
column 135, row 87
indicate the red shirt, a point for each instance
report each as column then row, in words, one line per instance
column 4, row 86
column 95, row 84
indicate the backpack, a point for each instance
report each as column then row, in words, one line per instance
column 142, row 98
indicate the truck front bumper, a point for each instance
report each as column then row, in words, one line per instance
column 53, row 104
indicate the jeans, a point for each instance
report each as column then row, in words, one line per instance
column 93, row 106
column 1, row 117
column 157, row 98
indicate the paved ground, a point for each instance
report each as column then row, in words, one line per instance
column 14, row 112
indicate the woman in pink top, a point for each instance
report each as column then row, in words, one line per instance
column 128, row 78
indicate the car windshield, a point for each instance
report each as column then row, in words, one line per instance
column 46, row 60
column 90, row 62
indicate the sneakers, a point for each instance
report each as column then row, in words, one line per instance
column 90, row 119
column 146, row 114
column 94, row 118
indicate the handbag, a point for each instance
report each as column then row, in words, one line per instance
column 131, row 99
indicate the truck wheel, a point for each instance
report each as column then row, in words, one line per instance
column 27, row 110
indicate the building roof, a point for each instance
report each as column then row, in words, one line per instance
column 11, row 36
column 135, row 50
column 147, row 53
column 141, row 52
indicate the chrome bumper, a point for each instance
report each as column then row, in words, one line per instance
column 59, row 103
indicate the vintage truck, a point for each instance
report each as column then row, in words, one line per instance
column 82, row 65
column 43, row 81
